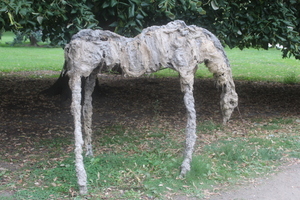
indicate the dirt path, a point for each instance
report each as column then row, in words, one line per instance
column 283, row 185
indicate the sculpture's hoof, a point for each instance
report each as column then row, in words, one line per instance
column 184, row 170
column 181, row 176
column 89, row 151
column 83, row 190
column 89, row 154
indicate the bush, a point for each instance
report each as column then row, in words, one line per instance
column 18, row 39
column 33, row 36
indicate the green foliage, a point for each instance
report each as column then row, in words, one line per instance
column 15, row 14
column 58, row 20
column 239, row 23
column 256, row 24
column 21, row 37
column 18, row 39
column 129, row 17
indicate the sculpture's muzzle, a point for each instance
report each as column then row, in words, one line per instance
column 229, row 101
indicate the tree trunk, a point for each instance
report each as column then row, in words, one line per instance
column 33, row 40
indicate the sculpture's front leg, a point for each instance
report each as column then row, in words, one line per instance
column 190, row 127
column 75, row 85
column 88, row 112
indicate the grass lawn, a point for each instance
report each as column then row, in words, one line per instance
column 30, row 59
column 248, row 64
column 25, row 58
column 265, row 65
column 133, row 163
column 255, row 65
column 144, row 163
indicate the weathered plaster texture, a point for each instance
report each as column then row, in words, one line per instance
column 175, row 45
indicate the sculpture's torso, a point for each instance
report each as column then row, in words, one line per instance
column 174, row 45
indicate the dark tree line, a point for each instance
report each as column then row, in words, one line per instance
column 238, row 23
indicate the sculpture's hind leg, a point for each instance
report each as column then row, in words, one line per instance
column 75, row 85
column 187, row 87
column 88, row 111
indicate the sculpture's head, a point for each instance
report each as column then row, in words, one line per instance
column 229, row 100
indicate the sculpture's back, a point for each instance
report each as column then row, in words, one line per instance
column 175, row 45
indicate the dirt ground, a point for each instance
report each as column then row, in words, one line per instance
column 27, row 115
column 283, row 184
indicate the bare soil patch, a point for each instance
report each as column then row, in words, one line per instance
column 26, row 116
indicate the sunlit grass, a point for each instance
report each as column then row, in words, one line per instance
column 254, row 65
column 248, row 64
column 30, row 59
column 6, row 38
column 25, row 58
column 134, row 163
column 265, row 65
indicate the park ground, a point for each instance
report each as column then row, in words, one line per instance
column 28, row 116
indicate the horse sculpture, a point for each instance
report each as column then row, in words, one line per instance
column 175, row 45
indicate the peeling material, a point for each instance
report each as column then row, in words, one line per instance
column 175, row 45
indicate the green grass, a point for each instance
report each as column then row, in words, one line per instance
column 254, row 65
column 262, row 65
column 249, row 64
column 24, row 58
column 132, row 163
column 6, row 38
column 30, row 59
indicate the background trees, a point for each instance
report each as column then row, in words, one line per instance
column 238, row 23
column 243, row 23
column 58, row 19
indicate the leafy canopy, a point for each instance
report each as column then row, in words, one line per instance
column 238, row 23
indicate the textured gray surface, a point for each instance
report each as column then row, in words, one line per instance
column 285, row 185
column 175, row 45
